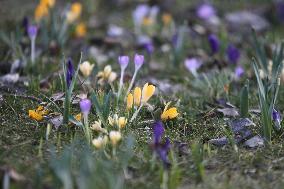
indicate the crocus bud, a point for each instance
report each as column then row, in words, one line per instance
column 115, row 137
column 32, row 31
column 233, row 54
column 139, row 61
column 70, row 72
column 85, row 106
column 276, row 118
column 214, row 43
column 123, row 61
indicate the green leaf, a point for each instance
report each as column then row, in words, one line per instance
column 244, row 101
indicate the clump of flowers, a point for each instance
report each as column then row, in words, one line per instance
column 38, row 114
column 106, row 76
column 140, row 98
column 120, row 122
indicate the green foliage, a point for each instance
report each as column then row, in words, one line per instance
column 197, row 155
column 77, row 166
column 269, row 86
column 244, row 101
column 102, row 105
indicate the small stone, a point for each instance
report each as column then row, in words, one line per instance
column 231, row 112
column 254, row 142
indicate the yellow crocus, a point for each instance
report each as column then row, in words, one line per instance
column 74, row 12
column 129, row 101
column 137, row 96
column 122, row 121
column 38, row 113
column 81, row 30
column 33, row 114
column 49, row 3
column 41, row 11
column 167, row 18
column 147, row 92
column 78, row 117
column 147, row 21
column 170, row 113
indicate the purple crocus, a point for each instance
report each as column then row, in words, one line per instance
column 123, row 61
column 280, row 11
column 32, row 31
column 138, row 61
column 214, row 43
column 85, row 106
column 149, row 47
column 233, row 54
column 192, row 65
column 276, row 118
column 69, row 72
column 239, row 72
column 206, row 11
column 161, row 148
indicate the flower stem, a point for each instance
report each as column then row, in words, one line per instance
column 165, row 178
column 33, row 50
column 132, row 81
column 136, row 113
column 120, row 84
column 86, row 128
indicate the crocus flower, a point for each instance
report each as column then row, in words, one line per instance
column 192, row 65
column 138, row 61
column 233, row 54
column 38, row 113
column 147, row 92
column 129, row 101
column 100, row 142
column 81, row 30
column 115, row 137
column 206, row 11
column 41, row 11
column 107, row 75
column 276, row 118
column 74, row 12
column 280, row 11
column 86, row 68
column 137, row 96
column 170, row 113
column 85, row 106
column 122, row 121
column 239, row 72
column 123, row 61
column 149, row 47
column 69, row 72
column 159, row 147
column 214, row 43
column 32, row 31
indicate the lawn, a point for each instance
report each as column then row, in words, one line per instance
column 141, row 94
